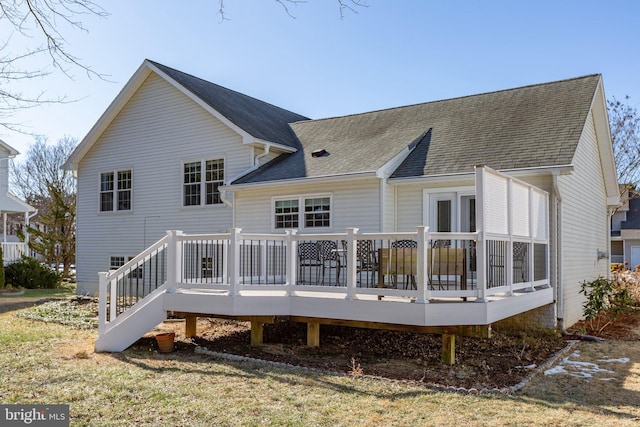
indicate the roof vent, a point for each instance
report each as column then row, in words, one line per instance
column 319, row 153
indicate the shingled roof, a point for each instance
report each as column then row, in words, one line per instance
column 258, row 118
column 531, row 126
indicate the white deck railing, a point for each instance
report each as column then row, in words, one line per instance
column 421, row 266
column 13, row 251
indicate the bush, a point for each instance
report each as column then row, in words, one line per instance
column 29, row 273
column 606, row 299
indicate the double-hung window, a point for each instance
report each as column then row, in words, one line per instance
column 115, row 262
column 115, row 191
column 302, row 212
column 201, row 182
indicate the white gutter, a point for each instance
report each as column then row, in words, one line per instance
column 315, row 179
column 560, row 170
column 557, row 229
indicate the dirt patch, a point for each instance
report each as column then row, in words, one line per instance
column 501, row 361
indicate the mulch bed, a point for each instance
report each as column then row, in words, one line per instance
column 501, row 361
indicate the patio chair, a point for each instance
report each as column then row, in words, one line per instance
column 520, row 259
column 308, row 259
column 366, row 260
column 329, row 258
column 409, row 279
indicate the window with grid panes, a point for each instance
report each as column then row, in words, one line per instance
column 286, row 212
column 115, row 191
column 316, row 212
column 202, row 188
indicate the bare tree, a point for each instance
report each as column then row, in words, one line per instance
column 40, row 180
column 343, row 5
column 39, row 25
column 41, row 170
column 624, row 121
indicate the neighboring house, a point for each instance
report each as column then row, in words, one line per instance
column 12, row 248
column 625, row 232
column 174, row 152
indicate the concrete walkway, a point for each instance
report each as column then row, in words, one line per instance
column 17, row 303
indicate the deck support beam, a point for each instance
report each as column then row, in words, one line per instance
column 257, row 329
column 313, row 334
column 448, row 349
column 190, row 327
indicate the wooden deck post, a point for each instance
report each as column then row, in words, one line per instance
column 313, row 334
column 448, row 349
column 257, row 329
column 190, row 326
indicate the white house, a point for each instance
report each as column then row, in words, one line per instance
column 514, row 188
column 12, row 248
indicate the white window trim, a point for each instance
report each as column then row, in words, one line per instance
column 115, row 211
column 136, row 273
column 203, row 187
column 436, row 193
column 301, row 198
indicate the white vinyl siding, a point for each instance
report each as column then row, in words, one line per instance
column 158, row 127
column 354, row 203
column 584, row 224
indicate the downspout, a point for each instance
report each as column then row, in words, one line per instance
column 557, row 229
column 256, row 162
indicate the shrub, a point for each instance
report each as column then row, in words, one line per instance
column 606, row 299
column 29, row 273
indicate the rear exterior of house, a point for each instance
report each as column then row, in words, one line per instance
column 174, row 152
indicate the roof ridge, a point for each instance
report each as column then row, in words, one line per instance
column 450, row 99
column 225, row 88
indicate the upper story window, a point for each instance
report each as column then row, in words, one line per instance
column 115, row 191
column 201, row 182
column 315, row 212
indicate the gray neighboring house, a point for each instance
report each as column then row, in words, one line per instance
column 625, row 232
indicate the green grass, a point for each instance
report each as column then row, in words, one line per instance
column 65, row 290
column 49, row 363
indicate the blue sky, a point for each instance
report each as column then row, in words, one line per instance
column 390, row 53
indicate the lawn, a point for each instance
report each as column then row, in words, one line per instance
column 65, row 290
column 49, row 363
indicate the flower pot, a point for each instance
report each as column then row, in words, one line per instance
column 165, row 342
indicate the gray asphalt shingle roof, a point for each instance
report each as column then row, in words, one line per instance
column 531, row 126
column 258, row 118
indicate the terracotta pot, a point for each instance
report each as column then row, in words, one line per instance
column 165, row 342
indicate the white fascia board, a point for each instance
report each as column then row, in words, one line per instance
column 246, row 137
column 22, row 206
column 605, row 145
column 388, row 168
column 10, row 150
column 295, row 181
column 108, row 116
column 279, row 147
column 465, row 176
